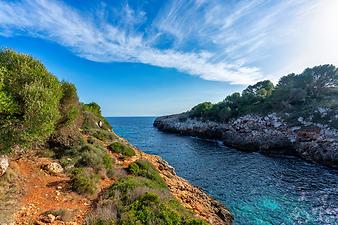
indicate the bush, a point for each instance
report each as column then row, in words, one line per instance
column 150, row 209
column 139, row 200
column 96, row 158
column 123, row 149
column 29, row 99
column 129, row 183
column 67, row 132
column 103, row 135
column 83, row 181
column 108, row 165
column 144, row 168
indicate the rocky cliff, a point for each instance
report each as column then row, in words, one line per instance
column 269, row 134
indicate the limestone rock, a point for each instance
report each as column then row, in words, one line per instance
column 3, row 165
column 53, row 168
column 50, row 218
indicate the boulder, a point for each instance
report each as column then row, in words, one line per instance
column 53, row 168
column 3, row 165
column 100, row 124
column 50, row 218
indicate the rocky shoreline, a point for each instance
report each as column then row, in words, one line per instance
column 269, row 135
column 190, row 196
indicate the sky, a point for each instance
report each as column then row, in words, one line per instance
column 155, row 57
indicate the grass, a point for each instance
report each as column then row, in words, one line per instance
column 122, row 149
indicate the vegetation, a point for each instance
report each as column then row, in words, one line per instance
column 141, row 199
column 29, row 100
column 67, row 133
column 294, row 95
column 145, row 169
column 83, row 181
column 92, row 115
column 123, row 149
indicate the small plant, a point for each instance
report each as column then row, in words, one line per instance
column 144, row 168
column 96, row 158
column 103, row 135
column 123, row 149
column 84, row 181
column 108, row 165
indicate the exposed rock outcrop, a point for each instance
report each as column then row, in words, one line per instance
column 269, row 134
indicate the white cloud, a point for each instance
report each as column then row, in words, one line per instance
column 230, row 42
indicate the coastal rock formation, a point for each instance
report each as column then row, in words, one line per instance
column 269, row 135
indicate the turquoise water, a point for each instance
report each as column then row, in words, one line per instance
column 258, row 189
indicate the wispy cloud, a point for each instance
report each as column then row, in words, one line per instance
column 210, row 39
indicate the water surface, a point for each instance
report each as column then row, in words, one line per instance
column 258, row 189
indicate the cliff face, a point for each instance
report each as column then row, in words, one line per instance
column 269, row 134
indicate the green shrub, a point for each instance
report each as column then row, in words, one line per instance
column 103, row 135
column 92, row 159
column 83, row 181
column 29, row 99
column 108, row 165
column 149, row 208
column 123, row 149
column 97, row 158
column 139, row 200
column 129, row 183
column 144, row 168
column 67, row 132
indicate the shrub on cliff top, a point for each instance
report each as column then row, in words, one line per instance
column 29, row 100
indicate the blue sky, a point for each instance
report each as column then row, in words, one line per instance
column 157, row 57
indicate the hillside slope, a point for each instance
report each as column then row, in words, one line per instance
column 60, row 162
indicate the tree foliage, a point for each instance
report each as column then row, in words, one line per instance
column 317, row 86
column 29, row 100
